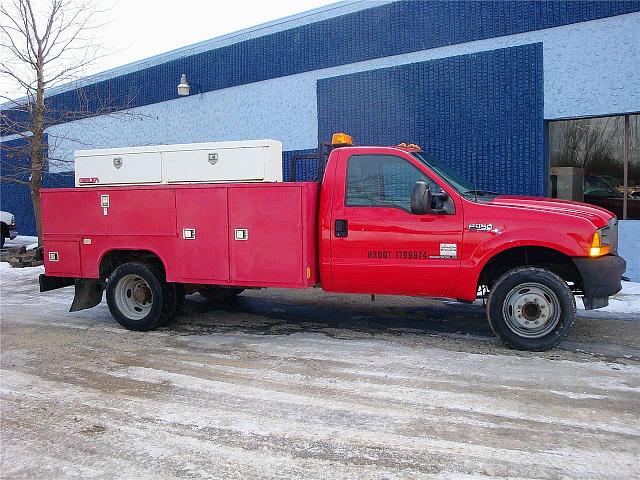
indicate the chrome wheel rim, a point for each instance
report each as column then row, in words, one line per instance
column 133, row 297
column 531, row 310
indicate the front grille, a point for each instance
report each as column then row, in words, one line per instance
column 613, row 228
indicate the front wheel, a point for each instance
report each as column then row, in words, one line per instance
column 531, row 308
column 138, row 297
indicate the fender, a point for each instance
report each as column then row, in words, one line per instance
column 145, row 250
column 571, row 245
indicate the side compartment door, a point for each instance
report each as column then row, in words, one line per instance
column 265, row 235
column 202, row 223
column 377, row 244
column 141, row 211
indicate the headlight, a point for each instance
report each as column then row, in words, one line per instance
column 601, row 242
column 13, row 221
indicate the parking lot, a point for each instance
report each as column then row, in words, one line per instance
column 284, row 384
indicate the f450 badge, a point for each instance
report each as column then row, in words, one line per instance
column 481, row 227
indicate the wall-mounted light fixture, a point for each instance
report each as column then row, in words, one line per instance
column 183, row 86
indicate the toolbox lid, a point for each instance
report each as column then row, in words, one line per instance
column 212, row 162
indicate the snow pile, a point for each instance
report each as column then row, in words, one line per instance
column 29, row 242
column 7, row 272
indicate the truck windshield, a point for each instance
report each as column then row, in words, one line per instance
column 456, row 181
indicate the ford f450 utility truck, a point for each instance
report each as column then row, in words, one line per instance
column 151, row 224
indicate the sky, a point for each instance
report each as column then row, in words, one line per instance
column 138, row 29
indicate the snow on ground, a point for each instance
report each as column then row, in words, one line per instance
column 625, row 301
column 29, row 242
column 8, row 272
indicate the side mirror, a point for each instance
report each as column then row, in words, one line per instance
column 421, row 198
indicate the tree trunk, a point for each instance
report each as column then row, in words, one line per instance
column 37, row 146
column 35, row 183
column 37, row 211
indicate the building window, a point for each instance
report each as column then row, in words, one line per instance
column 597, row 161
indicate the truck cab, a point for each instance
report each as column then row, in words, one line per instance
column 397, row 221
column 380, row 220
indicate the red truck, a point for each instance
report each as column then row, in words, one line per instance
column 382, row 220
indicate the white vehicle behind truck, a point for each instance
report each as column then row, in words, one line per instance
column 7, row 226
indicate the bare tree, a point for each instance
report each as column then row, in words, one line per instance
column 45, row 43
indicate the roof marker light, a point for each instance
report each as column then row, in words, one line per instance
column 410, row 146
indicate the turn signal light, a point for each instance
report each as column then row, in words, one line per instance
column 597, row 249
column 341, row 139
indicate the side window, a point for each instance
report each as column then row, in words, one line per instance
column 382, row 181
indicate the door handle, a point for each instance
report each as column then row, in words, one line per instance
column 341, row 228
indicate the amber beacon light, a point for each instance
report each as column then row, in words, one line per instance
column 341, row 139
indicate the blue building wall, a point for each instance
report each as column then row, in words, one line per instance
column 579, row 80
column 16, row 198
column 629, row 248
column 484, row 109
column 381, row 31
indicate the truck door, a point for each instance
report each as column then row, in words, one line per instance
column 377, row 244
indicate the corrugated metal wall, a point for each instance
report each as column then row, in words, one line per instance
column 484, row 108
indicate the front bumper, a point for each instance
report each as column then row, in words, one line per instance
column 601, row 278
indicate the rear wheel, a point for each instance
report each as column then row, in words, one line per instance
column 220, row 294
column 138, row 297
column 531, row 308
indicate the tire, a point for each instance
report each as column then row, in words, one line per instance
column 220, row 294
column 2, row 239
column 531, row 308
column 138, row 297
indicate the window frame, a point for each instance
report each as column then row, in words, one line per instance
column 394, row 206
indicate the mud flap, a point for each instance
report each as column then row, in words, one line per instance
column 591, row 303
column 88, row 294
column 48, row 283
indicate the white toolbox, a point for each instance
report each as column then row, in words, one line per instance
column 215, row 162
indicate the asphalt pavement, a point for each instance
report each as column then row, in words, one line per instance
column 305, row 384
